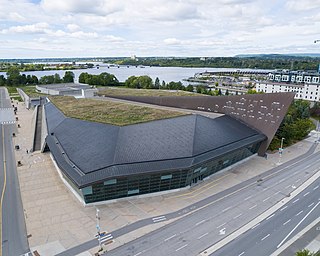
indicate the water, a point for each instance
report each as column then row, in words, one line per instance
column 166, row 74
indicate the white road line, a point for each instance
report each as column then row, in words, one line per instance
column 286, row 222
column 295, row 200
column 270, row 217
column 182, row 247
column 306, row 194
column 283, row 208
column 310, row 205
column 203, row 235
column 247, row 198
column 299, row 213
column 288, row 186
column 226, row 209
column 266, row 199
column 265, row 189
column 241, row 254
column 282, row 180
column 298, row 225
column 265, row 237
column 295, row 172
column 298, row 180
column 277, row 193
column 256, row 225
column 237, row 216
column 222, row 225
column 200, row 222
column 254, row 206
column 167, row 239
column 137, row 254
column 160, row 217
column 315, row 187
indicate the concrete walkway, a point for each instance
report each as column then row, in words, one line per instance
column 55, row 219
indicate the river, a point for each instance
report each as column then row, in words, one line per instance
column 166, row 74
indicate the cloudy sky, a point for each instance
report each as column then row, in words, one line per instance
column 84, row 28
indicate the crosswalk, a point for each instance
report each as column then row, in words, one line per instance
column 105, row 238
column 7, row 122
column 158, row 219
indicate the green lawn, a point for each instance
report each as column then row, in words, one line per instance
column 112, row 91
column 109, row 112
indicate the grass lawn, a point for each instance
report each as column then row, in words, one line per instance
column 30, row 90
column 112, row 91
column 108, row 112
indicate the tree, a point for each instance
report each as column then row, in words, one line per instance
column 227, row 92
column 68, row 77
column 157, row 83
column 13, row 76
column 3, row 80
column 57, row 79
column 219, row 92
column 189, row 88
column 306, row 252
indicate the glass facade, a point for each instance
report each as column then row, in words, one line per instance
column 163, row 180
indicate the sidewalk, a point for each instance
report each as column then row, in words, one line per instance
column 55, row 219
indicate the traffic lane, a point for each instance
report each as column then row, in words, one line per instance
column 13, row 228
column 276, row 226
column 224, row 209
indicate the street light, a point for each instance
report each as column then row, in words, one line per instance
column 280, row 150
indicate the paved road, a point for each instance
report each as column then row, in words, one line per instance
column 279, row 227
column 218, row 215
column 12, row 229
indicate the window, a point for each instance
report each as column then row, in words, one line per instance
column 110, row 182
column 166, row 177
column 87, row 191
column 133, row 191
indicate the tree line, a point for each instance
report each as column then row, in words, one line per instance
column 14, row 78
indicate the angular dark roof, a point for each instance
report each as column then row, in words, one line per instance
column 88, row 152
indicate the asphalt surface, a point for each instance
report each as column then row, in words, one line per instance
column 192, row 234
column 217, row 215
column 13, row 235
column 268, row 235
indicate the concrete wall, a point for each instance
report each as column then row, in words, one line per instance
column 44, row 130
column 33, row 124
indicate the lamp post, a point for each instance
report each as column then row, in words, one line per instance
column 98, row 227
column 280, row 150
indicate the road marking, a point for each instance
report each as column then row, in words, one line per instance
column 266, row 199
column 295, row 200
column 288, row 186
column 298, row 225
column 158, row 219
column 235, row 217
column 265, row 189
column 310, row 205
column 277, row 193
column 295, row 172
column 222, row 225
column 306, row 194
column 226, row 209
column 298, row 180
column 270, row 217
column 282, row 180
column 200, row 222
column 182, row 247
column 283, row 208
column 254, row 206
column 167, row 239
column 222, row 231
column 315, row 187
column 256, row 225
column 203, row 235
column 137, row 254
column 4, row 186
column 247, row 198
column 265, row 237
column 241, row 254
column 299, row 213
column 286, row 222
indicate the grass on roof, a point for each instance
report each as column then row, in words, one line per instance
column 109, row 112
column 112, row 91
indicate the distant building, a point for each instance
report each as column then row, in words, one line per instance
column 67, row 89
column 304, row 84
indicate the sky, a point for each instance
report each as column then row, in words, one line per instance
column 182, row 28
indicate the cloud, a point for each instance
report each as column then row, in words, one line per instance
column 73, row 27
column 171, row 41
column 298, row 5
column 40, row 27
